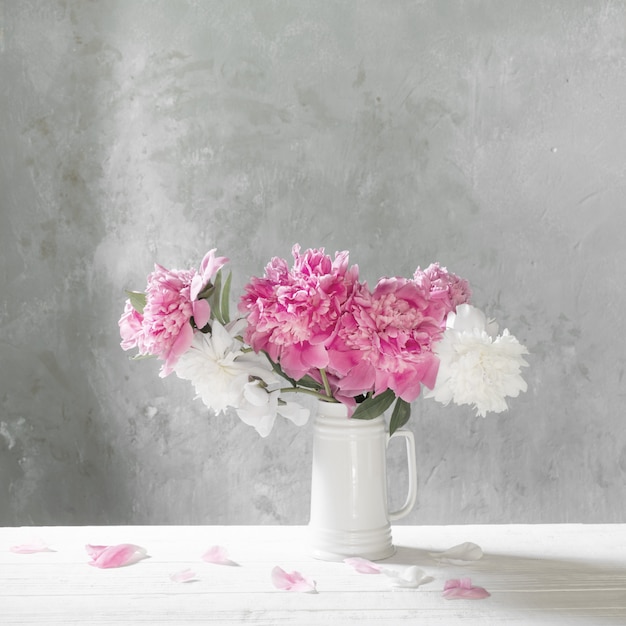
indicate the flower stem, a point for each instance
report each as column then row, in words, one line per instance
column 325, row 381
column 311, row 392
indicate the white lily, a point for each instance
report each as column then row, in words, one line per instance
column 219, row 369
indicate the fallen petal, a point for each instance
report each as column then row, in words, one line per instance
column 410, row 578
column 115, row 556
column 183, row 576
column 457, row 583
column 459, row 555
column 363, row 566
column 30, row 548
column 292, row 581
column 95, row 551
column 218, row 555
column 456, row 589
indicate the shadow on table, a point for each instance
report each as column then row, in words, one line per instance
column 565, row 588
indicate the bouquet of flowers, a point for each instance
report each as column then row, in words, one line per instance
column 314, row 328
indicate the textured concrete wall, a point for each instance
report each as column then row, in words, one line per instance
column 486, row 134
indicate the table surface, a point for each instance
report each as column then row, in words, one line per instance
column 536, row 575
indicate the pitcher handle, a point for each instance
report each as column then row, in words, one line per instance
column 412, row 495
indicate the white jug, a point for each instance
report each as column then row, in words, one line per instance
column 349, row 511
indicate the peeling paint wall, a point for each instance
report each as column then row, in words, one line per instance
column 486, row 135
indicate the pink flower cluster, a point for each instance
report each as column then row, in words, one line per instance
column 445, row 287
column 293, row 313
column 163, row 329
column 316, row 316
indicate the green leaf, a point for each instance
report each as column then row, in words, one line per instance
column 400, row 415
column 225, row 300
column 141, row 357
column 214, row 298
column 138, row 300
column 207, row 292
column 309, row 382
column 374, row 406
column 218, row 281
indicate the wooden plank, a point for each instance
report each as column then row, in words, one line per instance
column 542, row 574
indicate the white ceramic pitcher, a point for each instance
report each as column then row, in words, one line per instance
column 349, row 511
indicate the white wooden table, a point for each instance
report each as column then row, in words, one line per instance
column 536, row 574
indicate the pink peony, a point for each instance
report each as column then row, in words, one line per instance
column 167, row 314
column 163, row 329
column 445, row 287
column 292, row 313
column 385, row 339
column 131, row 329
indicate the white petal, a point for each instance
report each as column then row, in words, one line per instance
column 183, row 576
column 461, row 554
column 256, row 395
column 262, row 417
column 221, row 339
column 467, row 318
column 294, row 412
column 410, row 578
column 236, row 327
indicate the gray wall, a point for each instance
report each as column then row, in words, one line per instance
column 486, row 134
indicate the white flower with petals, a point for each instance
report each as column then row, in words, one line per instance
column 260, row 407
column 224, row 375
column 219, row 369
column 477, row 366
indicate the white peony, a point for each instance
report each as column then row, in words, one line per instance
column 477, row 366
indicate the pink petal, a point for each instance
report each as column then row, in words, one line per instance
column 462, row 589
column 95, row 551
column 363, row 566
column 208, row 268
column 299, row 358
column 201, row 312
column 292, row 581
column 30, row 548
column 455, row 583
column 217, row 555
column 115, row 556
column 183, row 576
column 179, row 347
column 360, row 378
